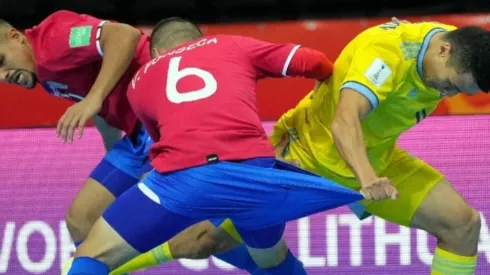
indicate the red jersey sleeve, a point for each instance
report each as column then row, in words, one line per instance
column 70, row 40
column 276, row 60
column 269, row 59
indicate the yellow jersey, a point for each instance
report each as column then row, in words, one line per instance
column 384, row 63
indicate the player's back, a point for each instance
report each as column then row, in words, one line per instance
column 200, row 103
column 384, row 63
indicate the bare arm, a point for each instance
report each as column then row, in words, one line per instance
column 118, row 43
column 110, row 135
column 348, row 136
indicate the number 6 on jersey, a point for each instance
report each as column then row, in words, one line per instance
column 175, row 74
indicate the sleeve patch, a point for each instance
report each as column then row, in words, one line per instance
column 80, row 36
column 378, row 72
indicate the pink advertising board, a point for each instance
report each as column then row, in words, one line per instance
column 39, row 177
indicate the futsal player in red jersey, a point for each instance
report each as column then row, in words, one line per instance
column 91, row 61
column 212, row 157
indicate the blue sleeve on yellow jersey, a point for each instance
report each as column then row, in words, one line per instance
column 364, row 90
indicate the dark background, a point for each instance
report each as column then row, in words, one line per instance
column 26, row 13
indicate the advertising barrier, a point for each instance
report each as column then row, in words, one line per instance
column 40, row 176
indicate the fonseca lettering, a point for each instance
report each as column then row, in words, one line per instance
column 201, row 43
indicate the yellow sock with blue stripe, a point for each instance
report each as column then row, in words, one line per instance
column 151, row 258
column 447, row 263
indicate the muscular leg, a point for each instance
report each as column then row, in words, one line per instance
column 200, row 241
column 140, row 220
column 269, row 250
column 116, row 173
column 105, row 183
column 318, row 195
column 455, row 224
column 428, row 202
column 86, row 208
column 108, row 182
column 193, row 243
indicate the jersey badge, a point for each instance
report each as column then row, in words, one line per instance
column 80, row 36
column 378, row 72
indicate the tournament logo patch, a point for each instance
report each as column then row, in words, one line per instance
column 378, row 72
column 80, row 36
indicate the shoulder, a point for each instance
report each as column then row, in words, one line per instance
column 436, row 25
column 377, row 54
column 59, row 17
column 385, row 43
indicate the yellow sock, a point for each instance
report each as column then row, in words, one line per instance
column 66, row 266
column 151, row 258
column 228, row 226
column 447, row 263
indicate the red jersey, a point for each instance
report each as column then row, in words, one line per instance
column 68, row 60
column 198, row 101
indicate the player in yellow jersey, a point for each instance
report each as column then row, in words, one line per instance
column 387, row 80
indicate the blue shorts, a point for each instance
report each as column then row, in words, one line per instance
column 124, row 164
column 258, row 194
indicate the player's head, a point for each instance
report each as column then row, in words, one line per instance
column 17, row 63
column 459, row 62
column 172, row 32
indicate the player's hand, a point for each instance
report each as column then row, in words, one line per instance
column 379, row 189
column 77, row 116
column 281, row 147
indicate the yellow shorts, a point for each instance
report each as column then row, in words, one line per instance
column 412, row 177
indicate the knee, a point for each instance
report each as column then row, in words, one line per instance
column 201, row 248
column 270, row 257
column 79, row 222
column 194, row 243
column 206, row 246
column 71, row 218
column 465, row 227
column 472, row 224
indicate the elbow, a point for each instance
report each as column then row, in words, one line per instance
column 311, row 63
column 323, row 68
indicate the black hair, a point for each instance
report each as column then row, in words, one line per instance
column 470, row 53
column 170, row 32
